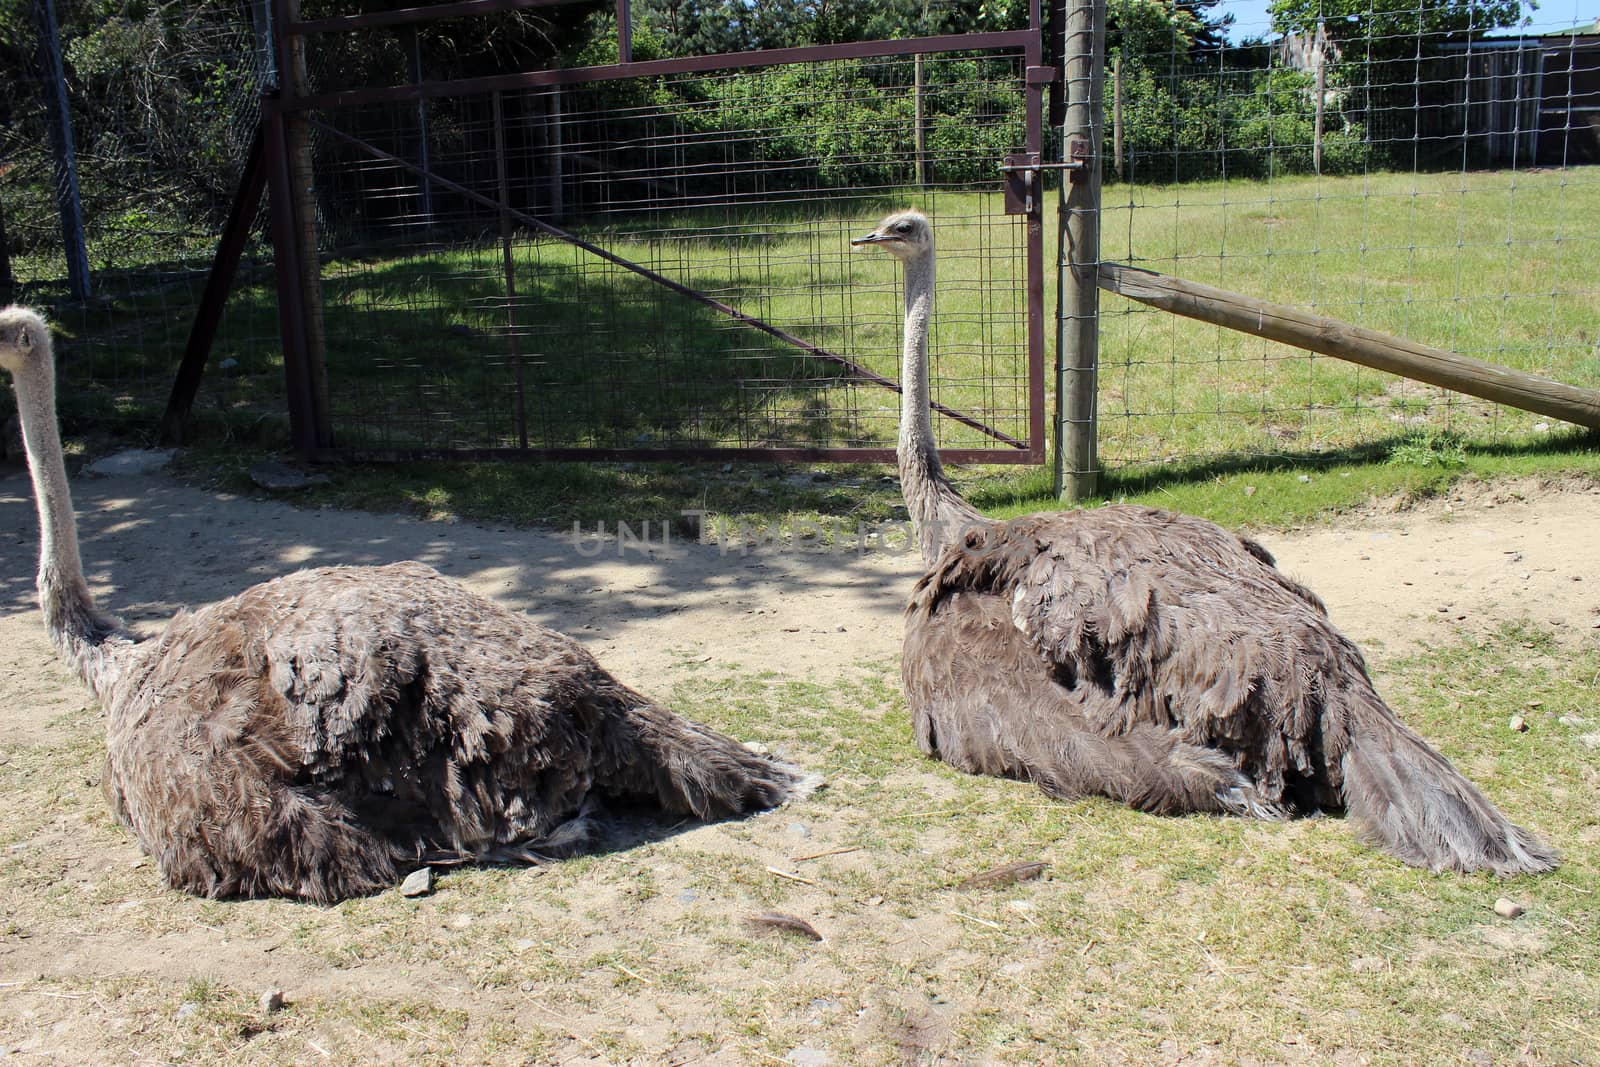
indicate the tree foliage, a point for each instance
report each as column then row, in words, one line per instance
column 163, row 92
column 710, row 27
column 1385, row 29
column 163, row 96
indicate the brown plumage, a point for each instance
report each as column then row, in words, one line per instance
column 1005, row 874
column 1156, row 659
column 783, row 921
column 316, row 733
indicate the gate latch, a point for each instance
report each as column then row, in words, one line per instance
column 1022, row 176
column 1021, row 170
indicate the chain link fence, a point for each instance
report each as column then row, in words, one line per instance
column 162, row 109
column 648, row 221
column 1422, row 169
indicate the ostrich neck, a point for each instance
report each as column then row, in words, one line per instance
column 938, row 512
column 77, row 628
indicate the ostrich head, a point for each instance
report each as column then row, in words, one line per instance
column 23, row 336
column 904, row 235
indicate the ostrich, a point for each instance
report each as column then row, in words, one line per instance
column 309, row 736
column 1153, row 658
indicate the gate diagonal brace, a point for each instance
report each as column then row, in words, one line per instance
column 855, row 369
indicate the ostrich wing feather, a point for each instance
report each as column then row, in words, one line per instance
column 1174, row 667
column 1153, row 619
column 310, row 734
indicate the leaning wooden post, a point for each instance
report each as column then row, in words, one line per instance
column 59, row 120
column 295, row 83
column 1078, row 222
column 214, row 298
column 1370, row 348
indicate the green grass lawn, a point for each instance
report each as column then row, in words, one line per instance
column 1496, row 264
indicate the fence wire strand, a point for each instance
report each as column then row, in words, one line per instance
column 1448, row 198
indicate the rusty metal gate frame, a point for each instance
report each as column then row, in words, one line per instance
column 310, row 427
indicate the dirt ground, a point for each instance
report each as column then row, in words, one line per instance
column 1394, row 580
column 651, row 607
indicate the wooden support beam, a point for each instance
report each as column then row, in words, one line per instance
column 219, row 282
column 1076, row 472
column 1370, row 348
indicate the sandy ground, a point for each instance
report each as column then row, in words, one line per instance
column 1393, row 580
column 649, row 608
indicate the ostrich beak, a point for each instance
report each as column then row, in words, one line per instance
column 872, row 238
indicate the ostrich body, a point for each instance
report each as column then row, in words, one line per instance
column 315, row 733
column 1153, row 658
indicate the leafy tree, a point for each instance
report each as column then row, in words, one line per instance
column 1391, row 29
column 706, row 27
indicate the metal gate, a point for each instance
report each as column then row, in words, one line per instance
column 650, row 259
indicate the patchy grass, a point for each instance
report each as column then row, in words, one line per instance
column 1244, row 494
column 1149, row 940
column 561, row 494
column 1290, row 491
column 1495, row 265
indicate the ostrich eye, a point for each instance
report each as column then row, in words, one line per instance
column 904, row 227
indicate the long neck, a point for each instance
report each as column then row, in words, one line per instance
column 79, row 630
column 938, row 512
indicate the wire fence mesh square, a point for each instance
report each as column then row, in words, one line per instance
column 1394, row 166
column 451, row 327
column 1426, row 170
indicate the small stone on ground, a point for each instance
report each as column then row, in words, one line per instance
column 418, row 883
column 1507, row 908
column 271, row 1001
column 277, row 477
column 132, row 461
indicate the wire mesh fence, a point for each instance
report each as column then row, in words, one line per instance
column 506, row 268
column 162, row 108
column 577, row 266
column 1417, row 168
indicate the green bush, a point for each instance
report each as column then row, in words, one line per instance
column 854, row 122
column 1188, row 125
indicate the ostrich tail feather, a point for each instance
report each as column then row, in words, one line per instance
column 1410, row 801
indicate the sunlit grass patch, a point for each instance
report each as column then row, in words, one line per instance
column 1146, row 939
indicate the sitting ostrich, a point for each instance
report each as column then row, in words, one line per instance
column 1153, row 658
column 312, row 735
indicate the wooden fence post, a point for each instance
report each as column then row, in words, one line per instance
column 919, row 138
column 1116, row 117
column 294, row 81
column 1077, row 290
column 1322, row 93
